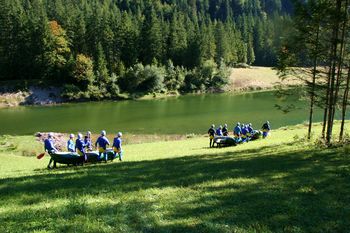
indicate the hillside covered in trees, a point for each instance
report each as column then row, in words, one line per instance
column 99, row 48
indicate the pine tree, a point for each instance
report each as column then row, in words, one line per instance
column 152, row 42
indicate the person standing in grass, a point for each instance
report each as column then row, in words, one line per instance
column 211, row 133
column 244, row 133
column 237, row 131
column 102, row 143
column 117, row 146
column 225, row 130
column 87, row 141
column 50, row 148
column 266, row 129
column 219, row 131
column 70, row 143
column 80, row 147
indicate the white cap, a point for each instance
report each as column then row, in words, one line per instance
column 120, row 134
column 71, row 135
column 103, row 132
column 88, row 133
column 80, row 135
column 50, row 135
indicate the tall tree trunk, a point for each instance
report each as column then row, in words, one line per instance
column 340, row 58
column 312, row 94
column 326, row 103
column 345, row 103
column 331, row 108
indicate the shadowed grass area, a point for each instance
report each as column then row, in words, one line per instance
column 262, row 186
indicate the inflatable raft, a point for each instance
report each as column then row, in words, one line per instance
column 92, row 156
column 225, row 141
column 66, row 157
column 229, row 141
column 75, row 158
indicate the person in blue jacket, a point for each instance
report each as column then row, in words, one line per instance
column 266, row 129
column 87, row 141
column 244, row 133
column 237, row 131
column 225, row 130
column 70, row 143
column 219, row 131
column 102, row 143
column 250, row 130
column 80, row 147
column 211, row 133
column 117, row 146
column 50, row 148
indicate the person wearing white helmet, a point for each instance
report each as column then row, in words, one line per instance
column 266, row 129
column 211, row 133
column 70, row 143
column 237, row 131
column 80, row 147
column 50, row 148
column 117, row 146
column 88, row 141
column 225, row 130
column 219, row 131
column 101, row 144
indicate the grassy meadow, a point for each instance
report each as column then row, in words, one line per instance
column 279, row 184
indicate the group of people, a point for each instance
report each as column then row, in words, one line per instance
column 83, row 145
column 242, row 132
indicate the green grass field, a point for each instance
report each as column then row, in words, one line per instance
column 280, row 184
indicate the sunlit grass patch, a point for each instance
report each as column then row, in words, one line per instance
column 278, row 184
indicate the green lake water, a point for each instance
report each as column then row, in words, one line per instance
column 174, row 115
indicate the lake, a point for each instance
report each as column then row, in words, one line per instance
column 174, row 115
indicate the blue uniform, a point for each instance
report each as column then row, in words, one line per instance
column 50, row 148
column 70, row 145
column 237, row 130
column 117, row 143
column 250, row 129
column 48, row 145
column 102, row 142
column 80, row 147
column 79, row 144
column 117, row 147
column 88, row 143
column 219, row 132
column 244, row 134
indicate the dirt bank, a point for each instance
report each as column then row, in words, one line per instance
column 33, row 96
column 256, row 78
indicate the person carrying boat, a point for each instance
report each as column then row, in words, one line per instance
column 244, row 133
column 250, row 130
column 225, row 130
column 70, row 143
column 219, row 131
column 266, row 129
column 211, row 133
column 237, row 131
column 80, row 147
column 87, row 141
column 50, row 149
column 117, row 146
column 102, row 143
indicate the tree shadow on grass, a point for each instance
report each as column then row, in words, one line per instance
column 256, row 190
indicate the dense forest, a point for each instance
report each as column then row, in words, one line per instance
column 96, row 49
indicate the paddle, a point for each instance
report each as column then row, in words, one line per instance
column 40, row 156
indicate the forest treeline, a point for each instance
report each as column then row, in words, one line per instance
column 97, row 48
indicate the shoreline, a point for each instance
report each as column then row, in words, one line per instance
column 242, row 81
